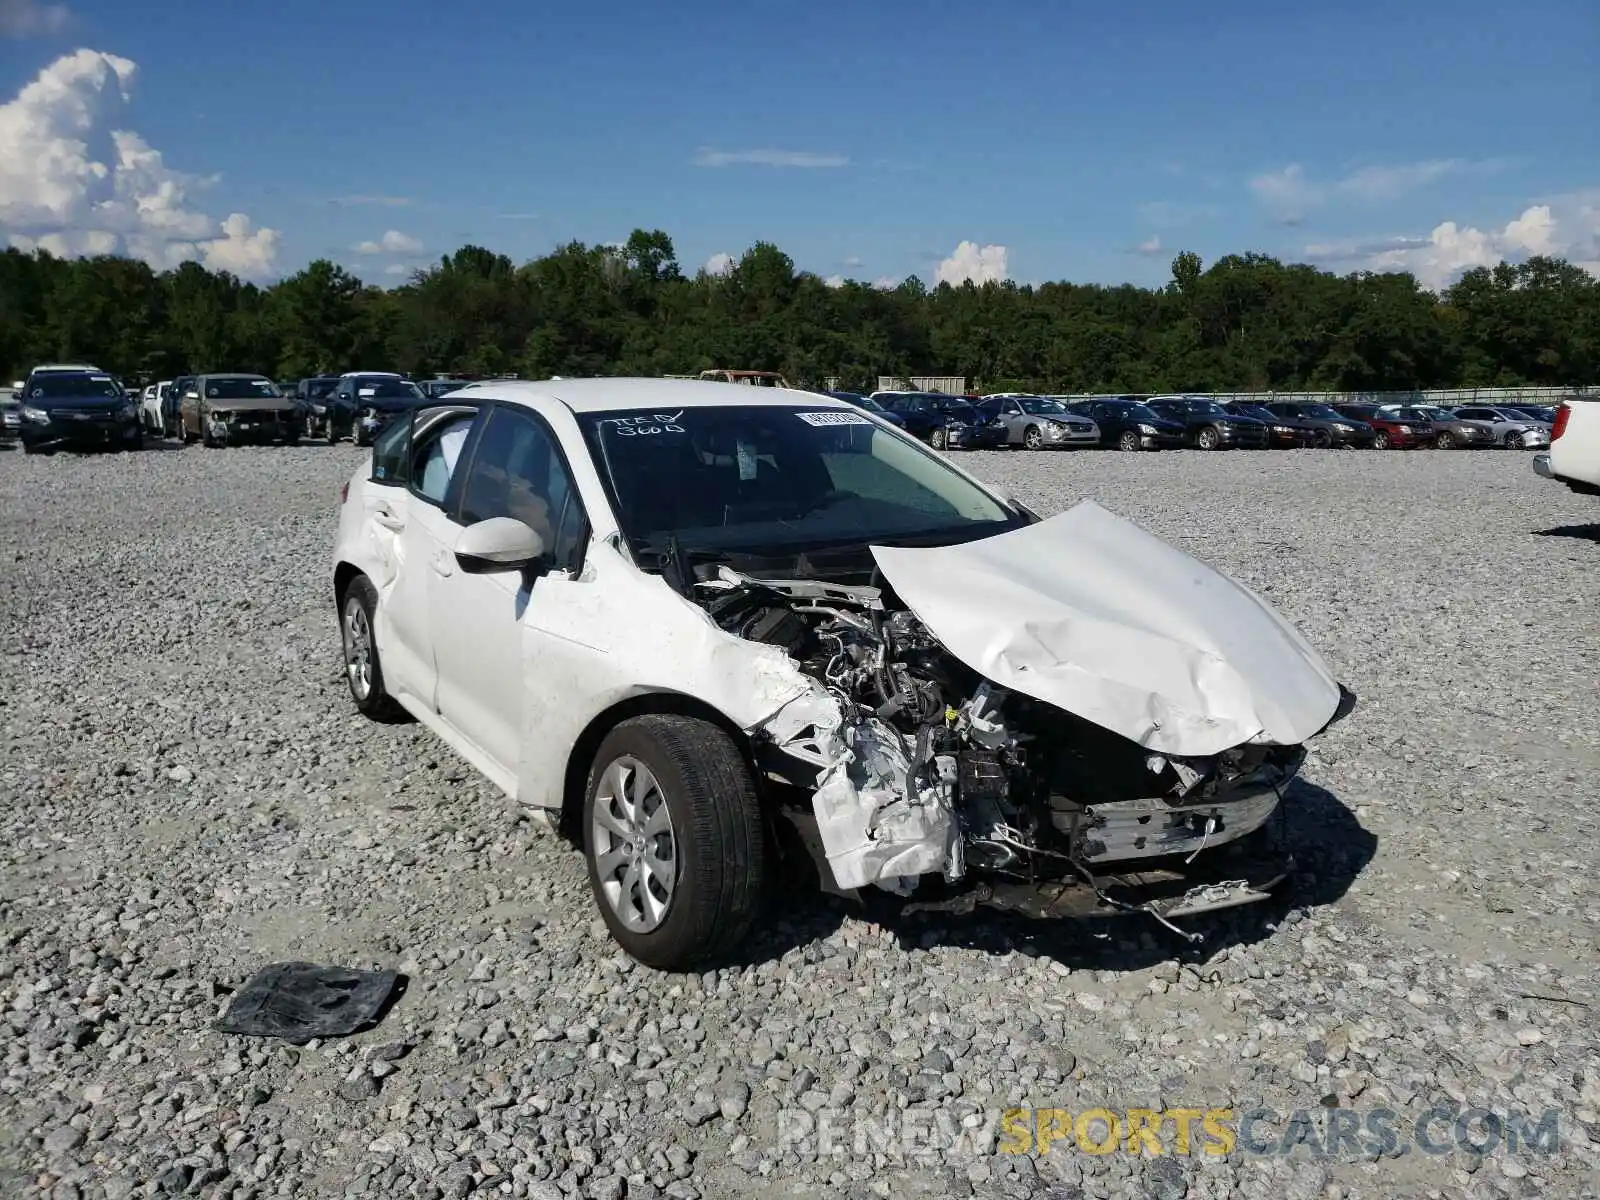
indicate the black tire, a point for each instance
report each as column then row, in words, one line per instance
column 1322, row 439
column 370, row 698
column 716, row 834
column 1380, row 440
column 937, row 438
column 1445, row 441
column 1513, row 441
column 1128, row 441
column 1033, row 438
column 1208, row 438
column 310, row 431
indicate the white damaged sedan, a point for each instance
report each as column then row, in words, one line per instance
column 680, row 620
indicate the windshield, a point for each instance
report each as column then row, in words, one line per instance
column 1322, row 412
column 1256, row 411
column 951, row 406
column 1129, row 411
column 388, row 389
column 318, row 388
column 240, row 387
column 770, row 478
column 1205, row 406
column 74, row 385
column 1042, row 406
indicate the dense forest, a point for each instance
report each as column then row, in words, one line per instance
column 1244, row 322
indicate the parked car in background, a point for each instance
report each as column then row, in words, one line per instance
column 1329, row 427
column 234, row 408
column 10, row 419
column 77, row 410
column 365, row 401
column 1545, row 414
column 771, row 379
column 434, row 388
column 1574, row 454
column 152, row 406
column 1130, row 424
column 868, row 404
column 1511, row 430
column 1449, row 431
column 312, row 396
column 1283, row 433
column 1392, row 429
column 944, row 422
column 1209, row 426
column 171, row 423
column 1039, row 422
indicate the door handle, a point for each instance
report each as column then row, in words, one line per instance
column 443, row 563
column 385, row 518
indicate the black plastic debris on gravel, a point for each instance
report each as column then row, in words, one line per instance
column 299, row 1001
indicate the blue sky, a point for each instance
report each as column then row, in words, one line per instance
column 1090, row 141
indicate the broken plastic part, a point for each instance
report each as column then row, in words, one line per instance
column 299, row 1001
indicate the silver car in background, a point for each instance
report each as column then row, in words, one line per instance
column 1510, row 429
column 1039, row 422
column 1451, row 432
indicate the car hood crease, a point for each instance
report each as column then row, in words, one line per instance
column 1091, row 613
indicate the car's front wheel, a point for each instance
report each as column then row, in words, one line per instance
column 1208, row 438
column 937, row 439
column 363, row 670
column 1128, row 441
column 1445, row 441
column 673, row 838
column 1380, row 440
column 1032, row 438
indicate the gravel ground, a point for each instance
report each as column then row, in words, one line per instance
column 187, row 795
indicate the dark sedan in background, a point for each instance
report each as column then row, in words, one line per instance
column 868, row 404
column 1328, row 427
column 944, row 422
column 1130, row 425
column 1209, row 426
column 78, row 410
column 311, row 398
column 1282, row 433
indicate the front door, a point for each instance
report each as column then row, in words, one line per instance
column 480, row 640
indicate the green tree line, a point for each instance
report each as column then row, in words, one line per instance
column 1245, row 322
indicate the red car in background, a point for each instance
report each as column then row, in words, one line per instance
column 1406, row 429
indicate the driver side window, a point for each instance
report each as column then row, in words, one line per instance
column 517, row 471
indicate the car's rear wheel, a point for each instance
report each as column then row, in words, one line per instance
column 363, row 670
column 1128, row 441
column 673, row 839
column 1380, row 440
column 1208, row 438
column 937, row 439
column 1032, row 438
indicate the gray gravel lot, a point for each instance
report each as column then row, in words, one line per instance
column 187, row 794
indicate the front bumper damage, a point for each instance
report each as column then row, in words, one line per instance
column 1108, row 750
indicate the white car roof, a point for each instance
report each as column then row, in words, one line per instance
column 48, row 367
column 372, row 374
column 602, row 395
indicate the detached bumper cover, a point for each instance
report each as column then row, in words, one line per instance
column 1541, row 466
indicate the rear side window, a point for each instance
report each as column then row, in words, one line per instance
column 391, row 454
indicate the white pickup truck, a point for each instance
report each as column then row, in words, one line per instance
column 1574, row 454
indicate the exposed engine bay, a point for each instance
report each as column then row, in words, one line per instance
column 929, row 769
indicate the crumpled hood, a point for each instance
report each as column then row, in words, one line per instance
column 1090, row 613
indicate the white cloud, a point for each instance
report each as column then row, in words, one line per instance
column 980, row 264
column 886, row 283
column 1565, row 227
column 75, row 181
column 1150, row 246
column 1290, row 193
column 707, row 157
column 719, row 264
column 852, row 262
column 392, row 242
column 397, row 269
column 29, row 18
column 835, row 281
column 373, row 201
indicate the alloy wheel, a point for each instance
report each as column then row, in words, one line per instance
column 634, row 846
column 357, row 648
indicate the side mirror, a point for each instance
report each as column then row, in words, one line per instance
column 498, row 544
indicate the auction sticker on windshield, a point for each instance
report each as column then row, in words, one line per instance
column 833, row 418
